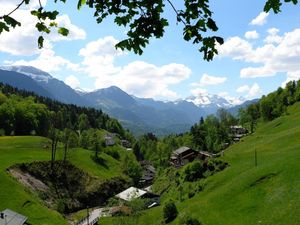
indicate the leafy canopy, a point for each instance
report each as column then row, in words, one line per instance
column 144, row 18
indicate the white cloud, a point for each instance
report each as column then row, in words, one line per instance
column 242, row 89
column 236, row 48
column 9, row 5
column 99, row 57
column 48, row 61
column 249, row 92
column 273, row 37
column 260, row 20
column 295, row 75
column 138, row 77
column 210, row 80
column 254, row 72
column 254, row 91
column 146, row 80
column 23, row 40
column 251, row 34
column 72, row 81
column 230, row 99
column 75, row 33
column 279, row 55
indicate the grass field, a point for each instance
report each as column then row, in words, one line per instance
column 28, row 149
column 245, row 194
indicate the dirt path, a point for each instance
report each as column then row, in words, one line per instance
column 29, row 181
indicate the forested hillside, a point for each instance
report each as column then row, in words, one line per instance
column 23, row 113
column 260, row 185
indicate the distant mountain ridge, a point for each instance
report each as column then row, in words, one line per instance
column 140, row 115
column 58, row 89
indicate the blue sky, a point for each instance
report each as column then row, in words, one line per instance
column 261, row 52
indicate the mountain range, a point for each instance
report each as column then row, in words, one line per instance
column 140, row 115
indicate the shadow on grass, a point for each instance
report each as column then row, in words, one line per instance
column 100, row 161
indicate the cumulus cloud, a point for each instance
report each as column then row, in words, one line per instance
column 138, row 77
column 48, row 61
column 72, row 81
column 236, row 48
column 273, row 37
column 9, row 5
column 254, row 91
column 23, row 40
column 146, row 80
column 260, row 20
column 210, row 80
column 251, row 34
column 293, row 75
column 242, row 89
column 279, row 54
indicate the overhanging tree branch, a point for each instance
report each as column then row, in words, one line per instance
column 11, row 12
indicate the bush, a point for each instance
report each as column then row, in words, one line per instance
column 191, row 194
column 61, row 206
column 113, row 153
column 194, row 171
column 169, row 212
column 187, row 220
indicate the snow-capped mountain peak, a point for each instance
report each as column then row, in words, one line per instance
column 208, row 100
column 34, row 73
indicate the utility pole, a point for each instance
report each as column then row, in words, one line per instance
column 87, row 218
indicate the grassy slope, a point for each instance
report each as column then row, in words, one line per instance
column 27, row 149
column 244, row 194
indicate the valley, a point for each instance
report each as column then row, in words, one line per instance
column 140, row 115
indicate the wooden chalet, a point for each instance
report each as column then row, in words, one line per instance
column 237, row 132
column 125, row 143
column 182, row 156
column 148, row 173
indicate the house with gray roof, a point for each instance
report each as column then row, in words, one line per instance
column 9, row 217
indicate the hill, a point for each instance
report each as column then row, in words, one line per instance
column 27, row 149
column 58, row 89
column 243, row 193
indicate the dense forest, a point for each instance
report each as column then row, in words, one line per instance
column 24, row 113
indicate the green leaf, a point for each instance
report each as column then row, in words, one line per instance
column 53, row 24
column 3, row 26
column 80, row 4
column 211, row 24
column 11, row 21
column 41, row 42
column 63, row 31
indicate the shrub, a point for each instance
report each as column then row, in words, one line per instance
column 169, row 211
column 187, row 220
column 113, row 153
column 61, row 206
column 191, row 194
column 194, row 171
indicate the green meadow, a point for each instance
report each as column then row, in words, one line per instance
column 13, row 195
column 242, row 194
column 245, row 193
